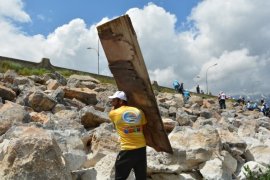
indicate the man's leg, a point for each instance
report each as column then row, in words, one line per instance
column 123, row 165
column 141, row 165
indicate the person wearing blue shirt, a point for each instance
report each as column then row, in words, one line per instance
column 176, row 85
column 186, row 96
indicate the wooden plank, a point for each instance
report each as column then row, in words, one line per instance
column 126, row 63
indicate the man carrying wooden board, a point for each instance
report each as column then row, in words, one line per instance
column 126, row 63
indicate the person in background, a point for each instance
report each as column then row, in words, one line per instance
column 181, row 88
column 265, row 109
column 186, row 96
column 248, row 105
column 198, row 89
column 222, row 99
column 262, row 102
column 129, row 123
column 176, row 85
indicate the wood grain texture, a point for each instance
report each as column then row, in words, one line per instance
column 126, row 63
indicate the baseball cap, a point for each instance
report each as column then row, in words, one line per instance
column 120, row 95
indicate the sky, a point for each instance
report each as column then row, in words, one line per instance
column 224, row 42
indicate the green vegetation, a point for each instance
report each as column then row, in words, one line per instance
column 27, row 71
column 20, row 69
column 257, row 175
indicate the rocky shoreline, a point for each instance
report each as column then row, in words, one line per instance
column 52, row 127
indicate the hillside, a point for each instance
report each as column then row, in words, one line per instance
column 57, row 127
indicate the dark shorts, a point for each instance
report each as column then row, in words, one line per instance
column 131, row 159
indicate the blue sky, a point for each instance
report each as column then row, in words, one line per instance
column 47, row 15
column 234, row 34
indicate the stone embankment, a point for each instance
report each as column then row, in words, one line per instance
column 53, row 127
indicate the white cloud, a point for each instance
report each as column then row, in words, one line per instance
column 163, row 75
column 13, row 9
column 233, row 33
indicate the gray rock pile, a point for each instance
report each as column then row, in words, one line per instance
column 52, row 127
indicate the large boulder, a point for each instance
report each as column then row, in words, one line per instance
column 85, row 95
column 100, row 142
column 259, row 153
column 10, row 75
column 169, row 124
column 39, row 101
column 11, row 113
column 232, row 142
column 32, row 153
column 7, row 93
column 191, row 147
column 220, row 167
column 197, row 145
column 92, row 118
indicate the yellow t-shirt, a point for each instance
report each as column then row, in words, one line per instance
column 129, row 123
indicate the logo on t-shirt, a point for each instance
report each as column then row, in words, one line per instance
column 131, row 117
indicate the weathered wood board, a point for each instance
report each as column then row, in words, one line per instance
column 126, row 63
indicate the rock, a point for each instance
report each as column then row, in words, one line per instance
column 231, row 142
column 23, row 81
column 9, row 76
column 65, row 119
column 33, row 154
column 159, row 162
column 206, row 114
column 59, row 107
column 84, row 78
column 102, row 141
column 206, row 104
column 57, row 76
column 213, row 169
column 85, row 95
column 39, row 117
column 229, row 163
column 202, row 122
column 39, row 101
column 75, row 158
column 7, row 93
column 37, row 79
column 259, row 153
column 169, row 124
column 92, row 118
column 248, row 128
column 197, row 145
column 183, row 119
column 85, row 174
column 105, row 167
column 196, row 100
column 166, row 177
column 190, row 176
column 11, row 113
column 52, row 84
column 172, row 111
column 164, row 112
column 262, row 134
column 75, row 103
column 182, row 176
column 229, row 114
